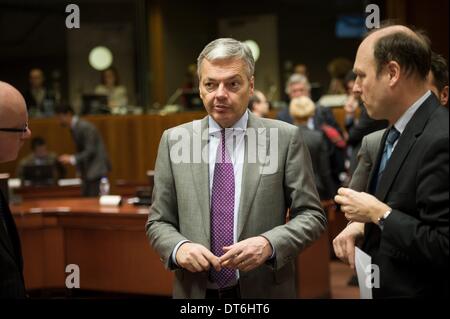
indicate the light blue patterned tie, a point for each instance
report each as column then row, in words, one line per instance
column 393, row 135
column 222, row 211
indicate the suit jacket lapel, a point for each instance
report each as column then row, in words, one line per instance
column 200, row 172
column 251, row 174
column 409, row 136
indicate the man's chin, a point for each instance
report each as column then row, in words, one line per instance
column 221, row 118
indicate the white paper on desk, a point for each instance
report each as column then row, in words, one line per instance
column 362, row 264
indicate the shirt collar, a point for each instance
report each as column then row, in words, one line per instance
column 401, row 123
column 239, row 125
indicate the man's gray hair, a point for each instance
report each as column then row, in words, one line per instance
column 297, row 78
column 227, row 48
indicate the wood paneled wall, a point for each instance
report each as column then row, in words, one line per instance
column 131, row 140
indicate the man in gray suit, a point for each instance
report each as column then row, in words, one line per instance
column 91, row 158
column 223, row 186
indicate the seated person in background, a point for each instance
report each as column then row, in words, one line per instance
column 258, row 104
column 40, row 100
column 40, row 156
column 110, row 86
column 301, row 110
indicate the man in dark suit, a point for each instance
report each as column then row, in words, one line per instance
column 13, row 131
column 91, row 158
column 404, row 224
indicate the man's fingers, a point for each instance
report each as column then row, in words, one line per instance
column 213, row 260
column 341, row 200
column 203, row 262
column 195, row 265
column 351, row 253
column 229, row 255
column 247, row 265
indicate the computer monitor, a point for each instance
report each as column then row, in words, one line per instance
column 95, row 104
column 39, row 175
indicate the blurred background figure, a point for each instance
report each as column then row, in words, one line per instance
column 438, row 78
column 40, row 156
column 40, row 100
column 91, row 159
column 258, row 104
column 302, row 109
column 111, row 87
column 338, row 69
column 323, row 120
column 301, row 69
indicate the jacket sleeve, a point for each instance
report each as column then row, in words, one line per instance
column 162, row 227
column 307, row 218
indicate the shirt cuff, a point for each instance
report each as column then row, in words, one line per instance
column 174, row 253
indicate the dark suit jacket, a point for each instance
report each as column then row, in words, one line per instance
column 91, row 157
column 11, row 265
column 318, row 149
column 412, row 251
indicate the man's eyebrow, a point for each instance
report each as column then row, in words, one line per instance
column 357, row 71
column 226, row 79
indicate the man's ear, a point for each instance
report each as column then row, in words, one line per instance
column 443, row 96
column 393, row 69
column 252, row 85
column 200, row 89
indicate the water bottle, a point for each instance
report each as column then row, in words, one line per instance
column 104, row 186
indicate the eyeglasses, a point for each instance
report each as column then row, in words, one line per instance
column 16, row 130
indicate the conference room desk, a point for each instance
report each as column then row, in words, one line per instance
column 39, row 192
column 109, row 246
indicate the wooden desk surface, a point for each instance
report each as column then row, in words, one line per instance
column 66, row 206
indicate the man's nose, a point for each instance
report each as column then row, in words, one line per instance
column 356, row 89
column 221, row 91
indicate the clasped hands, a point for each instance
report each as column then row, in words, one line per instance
column 244, row 255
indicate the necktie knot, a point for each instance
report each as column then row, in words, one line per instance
column 393, row 135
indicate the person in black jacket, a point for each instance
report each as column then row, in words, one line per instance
column 13, row 131
column 403, row 217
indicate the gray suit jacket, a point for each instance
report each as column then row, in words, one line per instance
column 181, row 206
column 367, row 157
column 91, row 157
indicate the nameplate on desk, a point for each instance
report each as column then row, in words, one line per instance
column 110, row 200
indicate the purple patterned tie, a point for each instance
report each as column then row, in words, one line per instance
column 222, row 211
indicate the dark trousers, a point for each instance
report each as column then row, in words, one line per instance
column 90, row 188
